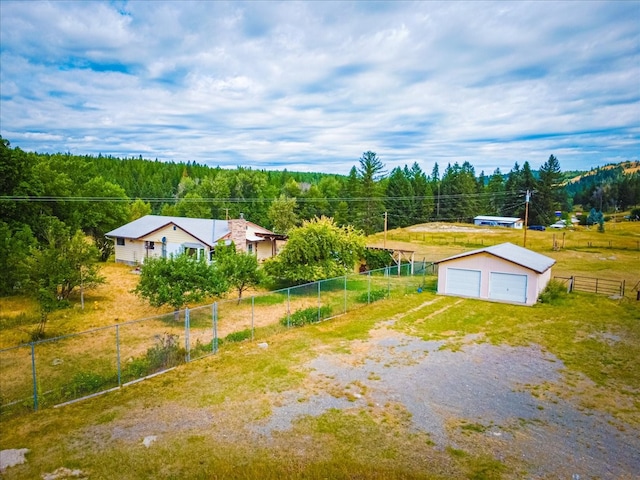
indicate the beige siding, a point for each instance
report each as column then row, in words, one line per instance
column 131, row 253
column 264, row 250
column 486, row 264
column 134, row 251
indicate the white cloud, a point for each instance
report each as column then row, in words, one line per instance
column 315, row 84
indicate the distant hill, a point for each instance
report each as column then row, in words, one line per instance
column 627, row 168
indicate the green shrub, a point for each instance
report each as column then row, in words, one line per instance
column 136, row 368
column 375, row 259
column 201, row 349
column 553, row 293
column 306, row 315
column 373, row 296
column 240, row 336
column 165, row 354
column 85, row 383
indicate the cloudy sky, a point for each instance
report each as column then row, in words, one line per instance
column 310, row 86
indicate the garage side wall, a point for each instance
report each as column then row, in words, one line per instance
column 486, row 264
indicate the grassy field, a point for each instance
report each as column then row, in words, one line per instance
column 200, row 411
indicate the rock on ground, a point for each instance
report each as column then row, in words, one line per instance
column 12, row 457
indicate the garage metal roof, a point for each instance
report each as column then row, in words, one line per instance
column 206, row 230
column 514, row 254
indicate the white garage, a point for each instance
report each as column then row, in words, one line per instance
column 502, row 273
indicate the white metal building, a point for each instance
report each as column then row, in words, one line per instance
column 509, row 222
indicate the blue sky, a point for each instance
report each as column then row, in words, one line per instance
column 310, row 86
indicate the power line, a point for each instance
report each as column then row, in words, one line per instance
column 30, row 198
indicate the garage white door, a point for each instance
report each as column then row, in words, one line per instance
column 508, row 287
column 463, row 282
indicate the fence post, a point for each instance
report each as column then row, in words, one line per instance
column 389, row 281
column 319, row 282
column 369, row 288
column 622, row 289
column 345, row 294
column 215, row 327
column 252, row 314
column 118, row 355
column 35, row 379
column 596, row 285
column 186, row 335
column 288, row 307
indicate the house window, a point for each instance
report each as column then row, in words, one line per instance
column 193, row 252
column 120, row 241
column 150, row 245
column 250, row 247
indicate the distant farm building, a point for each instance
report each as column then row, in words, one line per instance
column 504, row 273
column 509, row 222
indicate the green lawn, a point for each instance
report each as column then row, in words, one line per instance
column 200, row 410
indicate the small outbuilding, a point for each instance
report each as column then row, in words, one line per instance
column 503, row 273
column 490, row 221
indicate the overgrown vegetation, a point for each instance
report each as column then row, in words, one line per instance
column 306, row 316
column 554, row 293
column 373, row 295
column 239, row 336
column 317, row 250
column 166, row 353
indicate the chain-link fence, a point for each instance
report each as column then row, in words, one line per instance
column 64, row 369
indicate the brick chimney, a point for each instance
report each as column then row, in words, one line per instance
column 238, row 230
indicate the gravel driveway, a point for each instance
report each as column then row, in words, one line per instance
column 487, row 386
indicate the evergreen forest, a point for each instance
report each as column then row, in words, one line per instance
column 46, row 199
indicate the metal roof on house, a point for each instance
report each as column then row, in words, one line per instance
column 208, row 231
column 498, row 219
column 514, row 254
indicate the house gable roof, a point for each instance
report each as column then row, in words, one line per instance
column 208, row 231
column 512, row 253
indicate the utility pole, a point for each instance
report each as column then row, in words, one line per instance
column 385, row 230
column 226, row 210
column 526, row 219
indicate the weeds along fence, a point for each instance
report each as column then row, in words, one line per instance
column 60, row 370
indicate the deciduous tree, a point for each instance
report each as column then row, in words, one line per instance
column 56, row 268
column 317, row 250
column 178, row 281
column 239, row 269
column 282, row 214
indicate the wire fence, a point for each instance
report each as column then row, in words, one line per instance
column 64, row 369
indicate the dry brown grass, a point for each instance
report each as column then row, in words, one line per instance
column 614, row 254
column 108, row 304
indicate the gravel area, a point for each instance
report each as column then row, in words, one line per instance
column 482, row 384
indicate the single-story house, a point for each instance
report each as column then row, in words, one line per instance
column 162, row 236
column 505, row 273
column 509, row 222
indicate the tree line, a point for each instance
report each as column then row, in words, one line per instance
column 46, row 199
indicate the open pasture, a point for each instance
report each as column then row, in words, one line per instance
column 416, row 386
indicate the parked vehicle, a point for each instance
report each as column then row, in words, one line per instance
column 540, row 228
column 558, row 224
